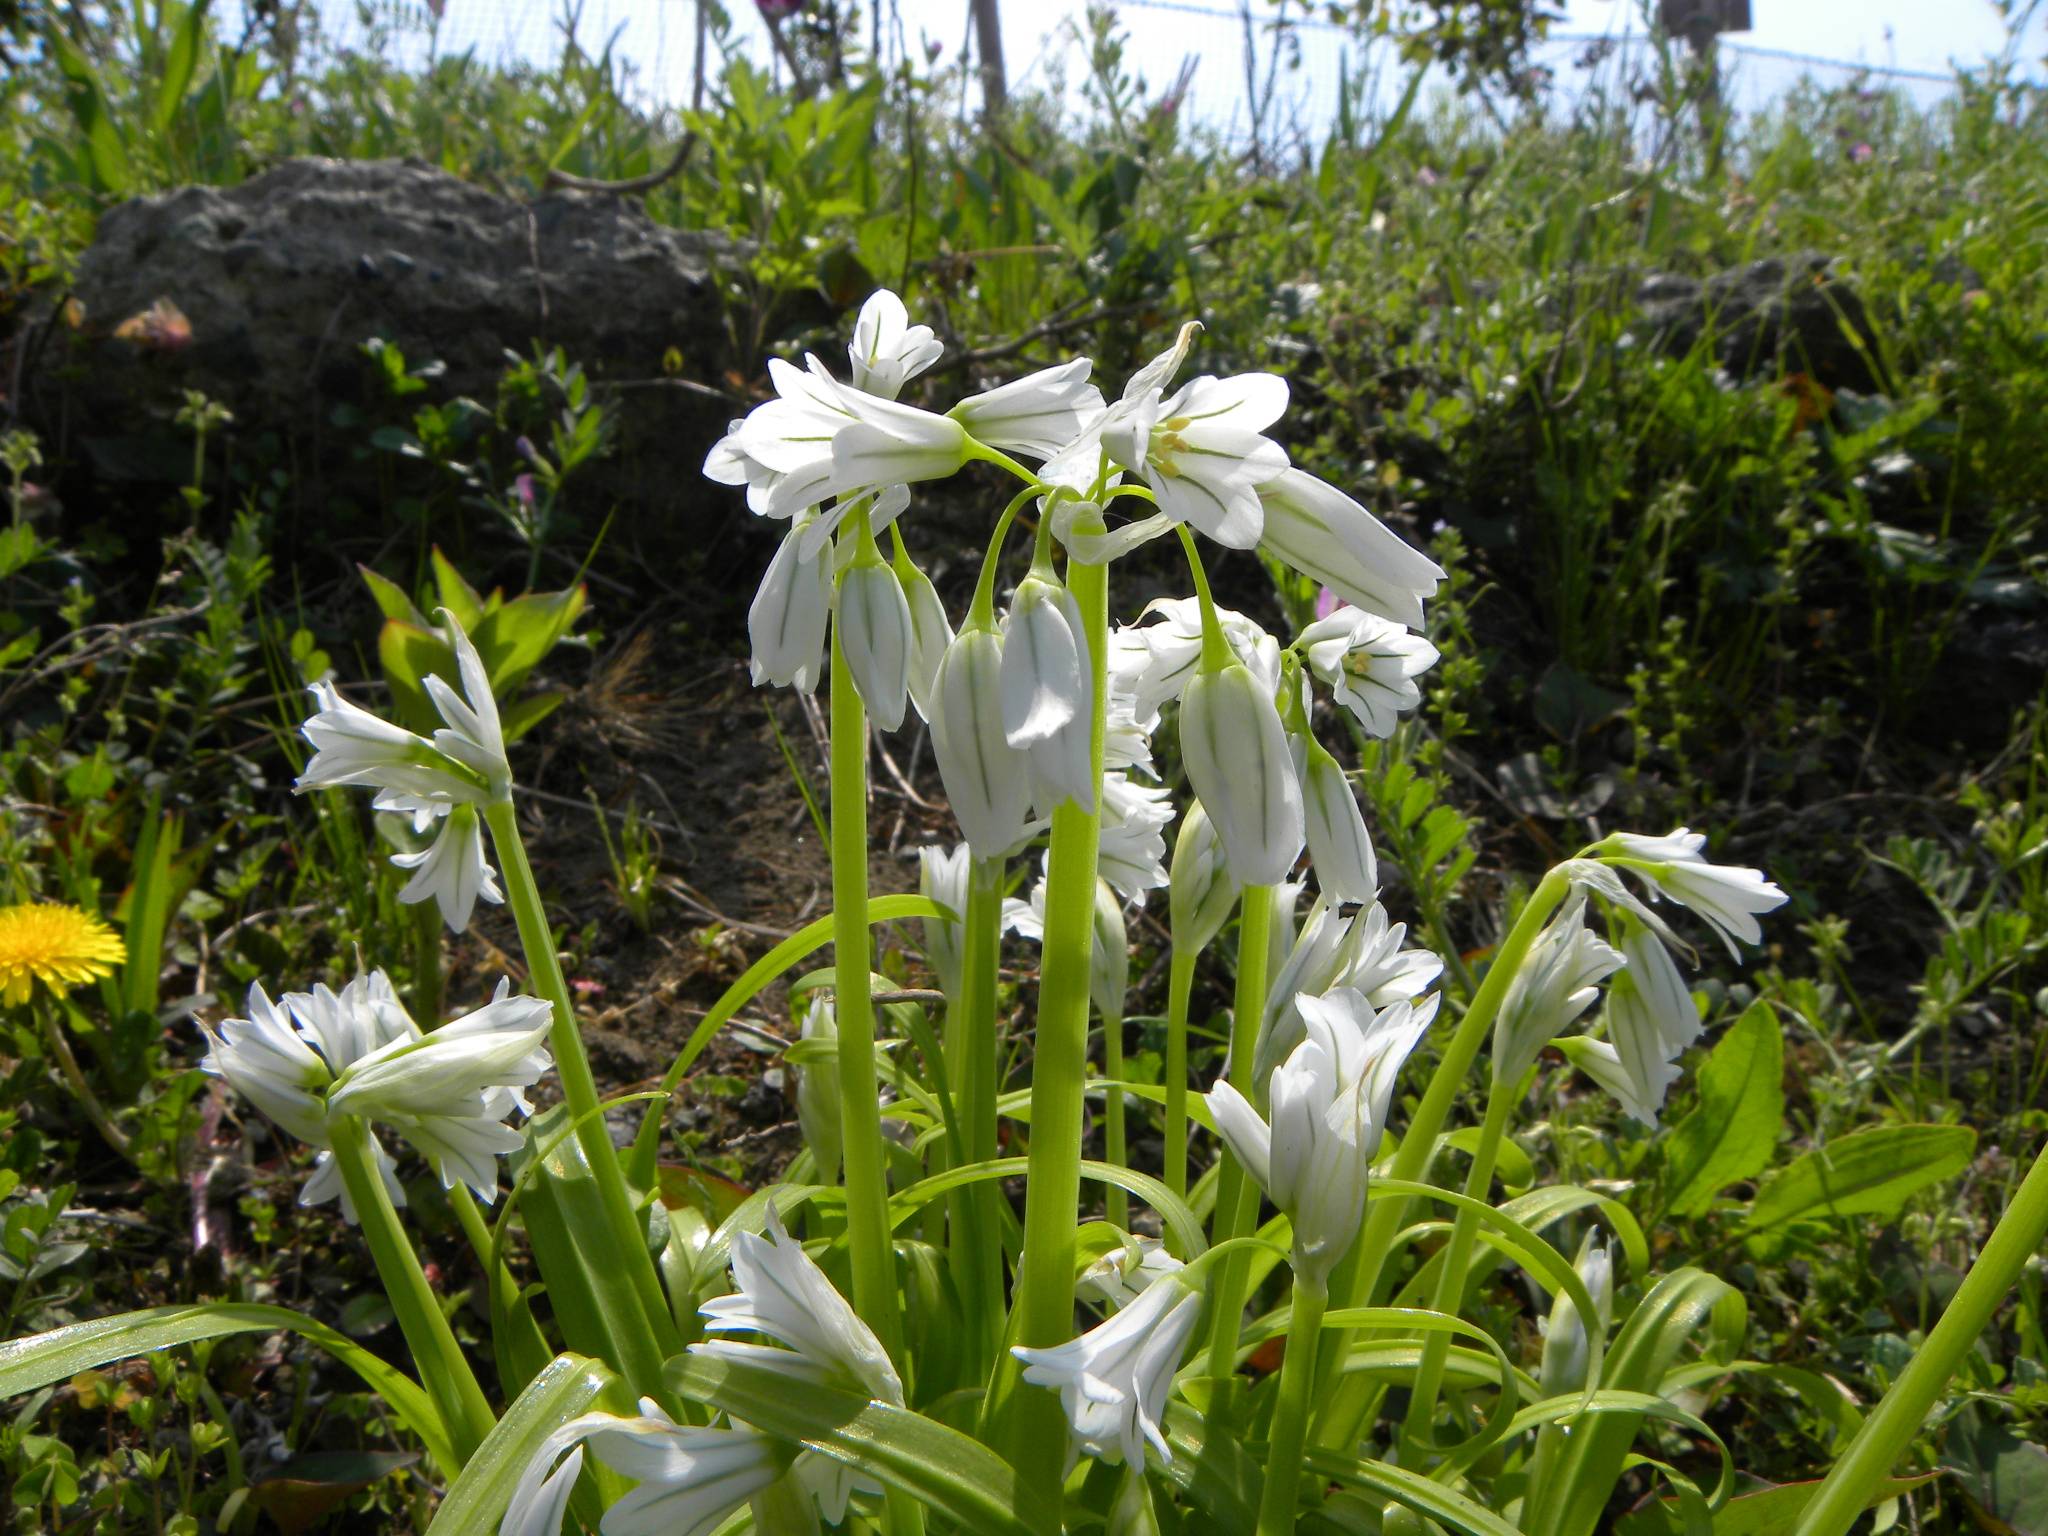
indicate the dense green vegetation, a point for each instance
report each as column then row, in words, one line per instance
column 1761, row 557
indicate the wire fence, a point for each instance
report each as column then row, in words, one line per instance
column 1242, row 75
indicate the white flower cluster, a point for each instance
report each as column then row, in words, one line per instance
column 319, row 1054
column 1650, row 1016
column 440, row 783
column 692, row 1478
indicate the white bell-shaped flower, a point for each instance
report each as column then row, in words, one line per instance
column 1329, row 1103
column 1730, row 897
column 1045, row 677
column 988, row 781
column 931, row 631
column 1559, row 979
column 943, row 875
column 1339, row 847
column 1202, row 450
column 690, row 1479
column 1379, row 967
column 1154, row 660
column 1651, row 1022
column 893, row 444
column 464, row 764
column 1567, row 1349
column 1369, row 664
column 1235, row 749
column 1036, row 415
column 875, row 637
column 1114, row 1380
column 786, row 625
column 451, row 871
column 887, row 351
column 1324, row 534
column 784, row 1295
column 1131, row 851
column 1201, row 890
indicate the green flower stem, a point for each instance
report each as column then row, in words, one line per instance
column 426, row 964
column 867, row 1191
column 444, row 1369
column 1291, row 1408
column 1180, row 986
column 528, row 1342
column 619, row 1234
column 1852, row 1483
column 971, row 1061
column 1237, row 1196
column 1357, row 1279
column 81, row 1090
column 1037, row 1435
column 1116, row 1201
column 1457, row 1263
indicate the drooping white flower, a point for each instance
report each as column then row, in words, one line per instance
column 451, row 871
column 690, row 1479
column 1729, row 896
column 1329, row 1103
column 1202, row 450
column 1154, row 660
column 942, row 876
column 1201, row 890
column 1036, row 415
column 785, row 1296
column 887, row 351
column 988, row 781
column 1369, row 664
column 1114, row 1379
column 931, row 631
column 786, row 624
column 1379, row 967
column 1045, row 682
column 1131, row 852
column 451, row 1093
column 892, row 444
column 875, row 637
column 1126, row 1271
column 1651, row 1022
column 1339, row 847
column 1558, row 980
column 1322, row 533
column 1126, row 741
column 463, row 764
column 817, row 1093
column 1333, row 952
column 1235, row 749
column 1567, row 1351
column 358, row 1052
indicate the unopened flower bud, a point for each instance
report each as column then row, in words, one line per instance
column 875, row 635
column 1237, row 759
column 987, row 780
column 1338, row 845
column 1202, row 891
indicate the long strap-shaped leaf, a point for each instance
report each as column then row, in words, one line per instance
column 942, row 1468
column 37, row 1360
column 566, row 1387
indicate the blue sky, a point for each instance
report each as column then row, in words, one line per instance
column 1922, row 35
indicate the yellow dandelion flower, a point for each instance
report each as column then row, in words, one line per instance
column 60, row 946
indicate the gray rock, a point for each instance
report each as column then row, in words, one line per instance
column 284, row 276
column 1797, row 314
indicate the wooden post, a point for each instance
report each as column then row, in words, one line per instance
column 988, row 42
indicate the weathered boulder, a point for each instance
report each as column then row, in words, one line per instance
column 262, row 294
column 1797, row 314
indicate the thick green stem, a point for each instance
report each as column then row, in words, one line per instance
column 1457, row 1263
column 618, row 1234
column 426, row 964
column 1852, row 1484
column 1237, row 1196
column 1357, row 1279
column 867, row 1191
column 977, row 1239
column 1037, row 1435
column 444, row 1369
column 1291, row 1409
column 1180, row 986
